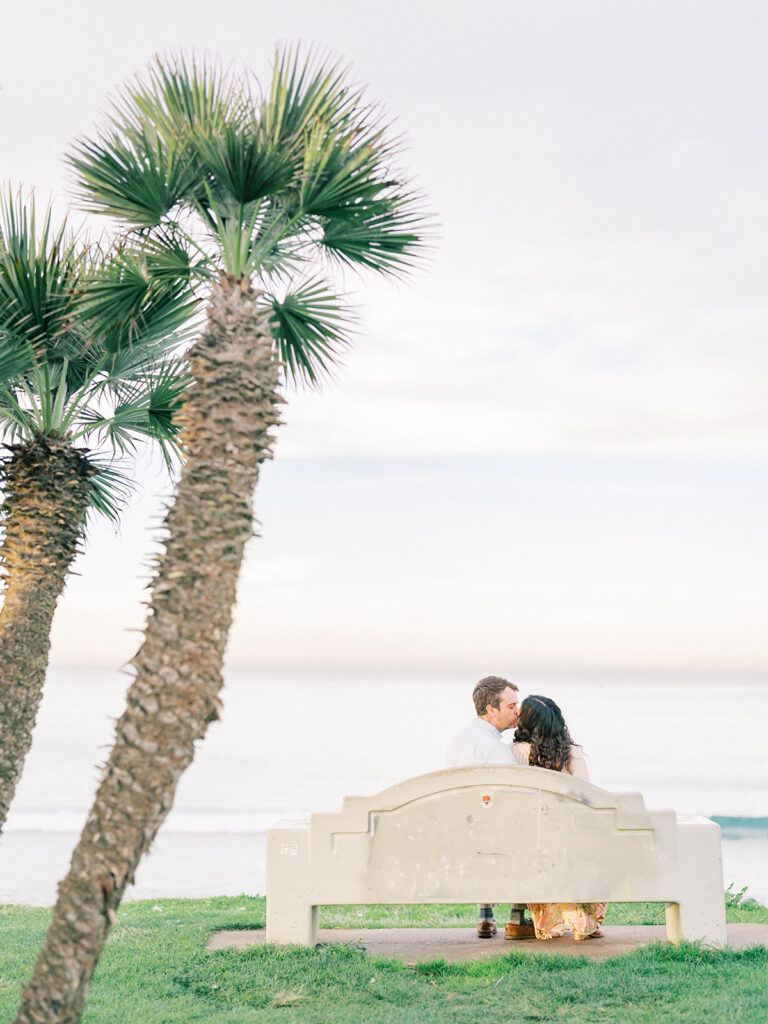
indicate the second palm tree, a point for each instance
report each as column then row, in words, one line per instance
column 79, row 379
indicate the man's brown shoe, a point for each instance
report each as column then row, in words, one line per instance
column 486, row 929
column 519, row 931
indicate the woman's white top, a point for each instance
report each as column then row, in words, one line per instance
column 577, row 767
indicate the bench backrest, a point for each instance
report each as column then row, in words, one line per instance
column 495, row 833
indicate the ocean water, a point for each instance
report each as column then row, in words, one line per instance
column 290, row 743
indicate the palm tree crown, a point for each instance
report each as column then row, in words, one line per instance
column 79, row 381
column 86, row 342
column 259, row 190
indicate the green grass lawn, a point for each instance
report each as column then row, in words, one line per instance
column 156, row 970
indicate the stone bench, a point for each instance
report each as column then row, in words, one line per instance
column 496, row 834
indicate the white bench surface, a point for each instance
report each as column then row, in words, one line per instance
column 499, row 834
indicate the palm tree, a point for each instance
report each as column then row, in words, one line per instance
column 259, row 192
column 76, row 382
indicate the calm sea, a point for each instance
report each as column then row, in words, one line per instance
column 290, row 743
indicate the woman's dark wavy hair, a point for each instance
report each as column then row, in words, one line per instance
column 541, row 724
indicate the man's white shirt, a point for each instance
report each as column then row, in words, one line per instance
column 478, row 743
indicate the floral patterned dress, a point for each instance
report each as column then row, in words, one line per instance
column 551, row 920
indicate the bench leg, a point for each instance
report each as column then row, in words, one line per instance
column 699, row 912
column 293, row 923
column 291, row 918
column 697, row 918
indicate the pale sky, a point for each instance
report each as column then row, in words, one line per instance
column 548, row 449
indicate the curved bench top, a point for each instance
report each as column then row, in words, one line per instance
column 355, row 810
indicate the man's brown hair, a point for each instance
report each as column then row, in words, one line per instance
column 488, row 691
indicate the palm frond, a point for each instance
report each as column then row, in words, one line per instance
column 139, row 298
column 340, row 170
column 180, row 97
column 17, row 355
column 310, row 328
column 126, row 366
column 145, row 407
column 111, row 488
column 41, row 274
column 368, row 215
column 137, row 178
column 276, row 259
column 166, row 395
column 388, row 235
column 117, row 427
column 144, row 163
column 160, row 395
column 171, row 256
column 242, row 162
column 16, row 422
column 306, row 90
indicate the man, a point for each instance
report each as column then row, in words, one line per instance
column 496, row 704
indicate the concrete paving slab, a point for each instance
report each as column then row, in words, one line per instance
column 415, row 945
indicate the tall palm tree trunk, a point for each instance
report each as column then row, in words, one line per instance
column 47, row 488
column 231, row 408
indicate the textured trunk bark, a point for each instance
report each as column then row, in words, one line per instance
column 227, row 419
column 46, row 496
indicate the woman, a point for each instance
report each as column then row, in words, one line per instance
column 543, row 741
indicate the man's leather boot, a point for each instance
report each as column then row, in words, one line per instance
column 486, row 928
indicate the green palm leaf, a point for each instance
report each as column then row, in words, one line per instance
column 146, row 163
column 126, row 304
column 111, row 488
column 339, row 171
column 41, row 271
column 304, row 92
column 138, row 179
column 387, row 235
column 180, row 97
column 17, row 356
column 16, row 422
column 146, row 406
column 311, row 329
column 242, row 163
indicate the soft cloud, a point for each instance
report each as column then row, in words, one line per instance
column 578, row 369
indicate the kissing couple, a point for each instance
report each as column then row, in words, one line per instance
column 542, row 740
